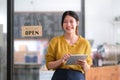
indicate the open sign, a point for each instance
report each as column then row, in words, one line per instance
column 31, row 31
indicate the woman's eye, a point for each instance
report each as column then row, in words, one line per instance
column 71, row 21
column 65, row 22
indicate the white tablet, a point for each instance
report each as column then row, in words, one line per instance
column 73, row 58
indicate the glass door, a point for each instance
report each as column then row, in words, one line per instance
column 35, row 23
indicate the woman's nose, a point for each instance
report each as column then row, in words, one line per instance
column 68, row 23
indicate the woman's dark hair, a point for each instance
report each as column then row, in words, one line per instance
column 70, row 13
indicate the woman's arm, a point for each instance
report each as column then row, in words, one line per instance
column 57, row 63
column 54, row 64
column 84, row 65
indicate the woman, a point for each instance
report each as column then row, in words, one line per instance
column 62, row 47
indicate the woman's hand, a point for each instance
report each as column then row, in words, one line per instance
column 57, row 63
column 65, row 57
column 83, row 64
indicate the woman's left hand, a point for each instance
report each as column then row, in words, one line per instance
column 82, row 63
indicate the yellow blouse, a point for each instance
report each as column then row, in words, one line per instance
column 58, row 46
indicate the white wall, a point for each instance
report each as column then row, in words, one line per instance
column 99, row 20
column 3, row 14
column 47, row 5
column 116, row 24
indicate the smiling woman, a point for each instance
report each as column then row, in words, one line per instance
column 62, row 47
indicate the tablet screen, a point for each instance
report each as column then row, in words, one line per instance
column 73, row 58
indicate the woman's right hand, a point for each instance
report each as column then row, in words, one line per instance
column 65, row 57
column 54, row 64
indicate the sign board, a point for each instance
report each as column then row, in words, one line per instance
column 31, row 31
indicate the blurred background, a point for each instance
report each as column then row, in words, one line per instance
column 99, row 23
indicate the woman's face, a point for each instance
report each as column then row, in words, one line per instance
column 69, row 24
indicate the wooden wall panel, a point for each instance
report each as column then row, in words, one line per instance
column 104, row 73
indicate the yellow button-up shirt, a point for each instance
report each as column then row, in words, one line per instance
column 58, row 46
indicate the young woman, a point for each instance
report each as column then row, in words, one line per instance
column 62, row 47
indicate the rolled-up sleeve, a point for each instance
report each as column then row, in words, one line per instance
column 88, row 51
column 50, row 55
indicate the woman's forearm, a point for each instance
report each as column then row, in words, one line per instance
column 54, row 64
column 86, row 67
column 57, row 63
